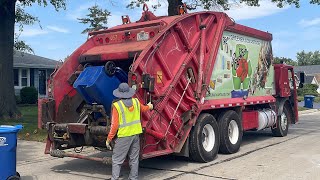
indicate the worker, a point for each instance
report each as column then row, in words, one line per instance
column 125, row 122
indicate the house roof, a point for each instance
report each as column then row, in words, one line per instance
column 27, row 60
column 317, row 76
column 308, row 79
column 314, row 69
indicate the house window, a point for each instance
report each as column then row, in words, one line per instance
column 24, row 77
column 16, row 77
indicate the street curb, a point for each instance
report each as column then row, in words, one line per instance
column 308, row 111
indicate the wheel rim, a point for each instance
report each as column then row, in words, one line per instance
column 208, row 137
column 233, row 132
column 284, row 121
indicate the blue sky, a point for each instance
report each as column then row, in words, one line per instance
column 293, row 29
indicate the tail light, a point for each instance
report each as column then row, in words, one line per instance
column 100, row 40
column 152, row 34
column 107, row 40
column 134, row 77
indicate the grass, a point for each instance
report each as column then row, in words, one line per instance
column 316, row 99
column 29, row 120
column 302, row 108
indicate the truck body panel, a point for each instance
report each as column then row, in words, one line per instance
column 185, row 65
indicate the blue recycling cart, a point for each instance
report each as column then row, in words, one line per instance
column 308, row 101
column 95, row 86
column 8, row 153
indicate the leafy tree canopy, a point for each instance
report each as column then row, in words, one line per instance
column 225, row 4
column 97, row 19
column 308, row 58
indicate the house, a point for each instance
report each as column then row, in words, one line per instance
column 32, row 70
column 312, row 74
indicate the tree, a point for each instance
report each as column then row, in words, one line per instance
column 308, row 58
column 289, row 61
column 8, row 17
column 22, row 18
column 97, row 19
column 224, row 4
column 316, row 58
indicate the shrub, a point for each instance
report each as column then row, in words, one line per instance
column 29, row 95
column 308, row 89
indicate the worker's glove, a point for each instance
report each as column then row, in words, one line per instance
column 150, row 106
column 108, row 145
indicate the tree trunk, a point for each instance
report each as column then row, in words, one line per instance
column 173, row 7
column 8, row 108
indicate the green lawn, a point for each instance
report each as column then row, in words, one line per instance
column 29, row 120
column 316, row 99
column 302, row 108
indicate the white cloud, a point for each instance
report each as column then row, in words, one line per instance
column 243, row 12
column 311, row 34
column 58, row 29
column 31, row 31
column 79, row 12
column 310, row 22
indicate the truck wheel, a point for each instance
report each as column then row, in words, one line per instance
column 230, row 132
column 282, row 125
column 204, row 139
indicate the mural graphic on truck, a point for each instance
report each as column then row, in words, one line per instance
column 243, row 68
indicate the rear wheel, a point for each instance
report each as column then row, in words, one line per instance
column 282, row 126
column 204, row 139
column 230, row 132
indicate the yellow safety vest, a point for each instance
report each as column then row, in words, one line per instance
column 129, row 122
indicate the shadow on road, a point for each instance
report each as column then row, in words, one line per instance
column 149, row 168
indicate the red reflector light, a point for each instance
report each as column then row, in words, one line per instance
column 152, row 34
column 107, row 40
column 100, row 40
column 134, row 77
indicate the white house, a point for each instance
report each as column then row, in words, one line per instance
column 312, row 74
column 32, row 70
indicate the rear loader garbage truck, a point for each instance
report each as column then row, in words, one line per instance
column 209, row 78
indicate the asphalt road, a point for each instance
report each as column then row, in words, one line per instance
column 261, row 156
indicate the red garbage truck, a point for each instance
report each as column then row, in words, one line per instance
column 209, row 78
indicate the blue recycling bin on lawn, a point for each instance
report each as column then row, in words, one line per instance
column 8, row 153
column 308, row 101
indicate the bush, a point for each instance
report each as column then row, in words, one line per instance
column 308, row 89
column 29, row 95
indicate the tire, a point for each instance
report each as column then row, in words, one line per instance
column 282, row 125
column 204, row 139
column 230, row 132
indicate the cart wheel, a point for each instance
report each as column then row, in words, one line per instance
column 110, row 68
column 15, row 177
column 204, row 139
column 17, row 174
